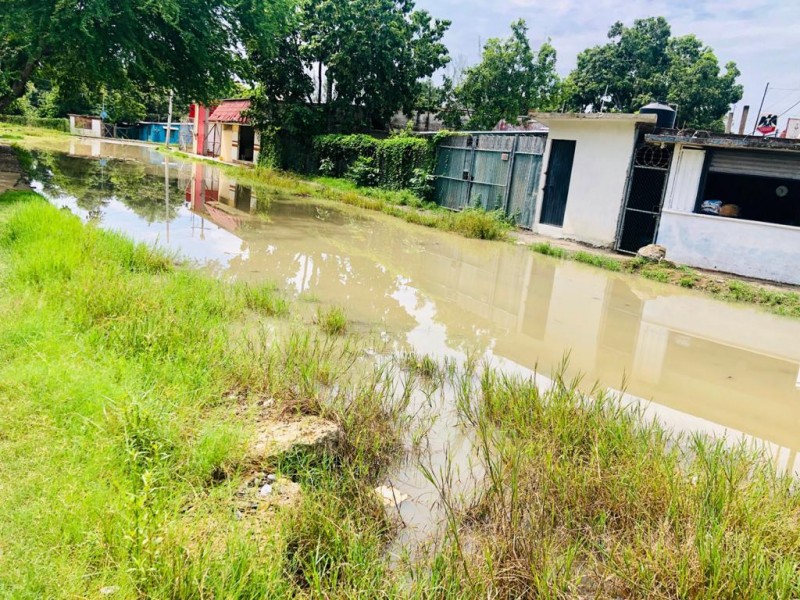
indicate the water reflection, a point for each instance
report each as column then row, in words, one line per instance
column 707, row 365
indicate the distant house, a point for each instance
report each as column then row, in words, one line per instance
column 225, row 132
column 86, row 125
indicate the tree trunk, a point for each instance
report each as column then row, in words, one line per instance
column 319, row 83
column 18, row 87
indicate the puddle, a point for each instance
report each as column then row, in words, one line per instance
column 705, row 365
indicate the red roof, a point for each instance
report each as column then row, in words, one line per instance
column 230, row 111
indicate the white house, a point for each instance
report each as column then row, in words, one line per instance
column 732, row 204
column 86, row 126
column 588, row 161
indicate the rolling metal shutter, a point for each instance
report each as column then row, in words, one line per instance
column 781, row 165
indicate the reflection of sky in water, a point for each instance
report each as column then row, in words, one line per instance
column 188, row 234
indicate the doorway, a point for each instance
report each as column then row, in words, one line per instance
column 247, row 138
column 556, row 189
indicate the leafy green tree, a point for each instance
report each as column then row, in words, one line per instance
column 190, row 46
column 643, row 62
column 373, row 53
column 510, row 80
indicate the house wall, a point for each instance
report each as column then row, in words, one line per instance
column 750, row 248
column 600, row 169
column 229, row 150
column 96, row 129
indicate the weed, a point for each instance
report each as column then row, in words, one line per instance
column 548, row 250
column 597, row 260
column 332, row 321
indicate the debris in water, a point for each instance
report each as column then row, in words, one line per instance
column 390, row 496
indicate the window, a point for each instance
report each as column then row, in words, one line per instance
column 755, row 186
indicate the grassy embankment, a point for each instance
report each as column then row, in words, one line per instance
column 782, row 302
column 127, row 403
column 129, row 396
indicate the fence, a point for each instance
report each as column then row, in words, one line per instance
column 495, row 171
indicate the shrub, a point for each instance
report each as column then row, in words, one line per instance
column 363, row 172
column 57, row 124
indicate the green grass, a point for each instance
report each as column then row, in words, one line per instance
column 587, row 499
column 332, row 321
column 130, row 388
column 127, row 393
column 782, row 302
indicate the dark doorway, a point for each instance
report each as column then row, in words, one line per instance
column 645, row 196
column 247, row 139
column 559, row 173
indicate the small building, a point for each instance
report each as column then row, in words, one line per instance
column 589, row 161
column 225, row 132
column 156, row 132
column 86, row 125
column 732, row 203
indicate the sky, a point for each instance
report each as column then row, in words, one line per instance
column 760, row 36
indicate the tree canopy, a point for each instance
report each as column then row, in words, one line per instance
column 644, row 62
column 127, row 46
column 511, row 79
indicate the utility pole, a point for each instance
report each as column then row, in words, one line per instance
column 760, row 107
column 743, row 122
column 169, row 118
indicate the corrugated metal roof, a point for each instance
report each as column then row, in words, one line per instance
column 230, row 111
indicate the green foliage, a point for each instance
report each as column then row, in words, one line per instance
column 128, row 46
column 374, row 52
column 395, row 163
column 510, row 80
column 57, row 124
column 643, row 63
column 363, row 172
column 332, row 321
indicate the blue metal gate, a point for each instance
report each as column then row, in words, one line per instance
column 494, row 171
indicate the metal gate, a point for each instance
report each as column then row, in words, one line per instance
column 492, row 171
column 645, row 197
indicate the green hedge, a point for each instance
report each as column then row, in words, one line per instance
column 395, row 159
column 57, row 124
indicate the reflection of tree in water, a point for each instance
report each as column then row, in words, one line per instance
column 93, row 183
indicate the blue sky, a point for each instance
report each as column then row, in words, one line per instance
column 762, row 37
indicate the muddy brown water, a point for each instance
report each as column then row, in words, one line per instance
column 696, row 363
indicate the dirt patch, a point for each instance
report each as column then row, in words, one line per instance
column 276, row 436
column 11, row 176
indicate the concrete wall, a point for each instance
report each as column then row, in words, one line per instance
column 762, row 250
column 603, row 152
column 96, row 130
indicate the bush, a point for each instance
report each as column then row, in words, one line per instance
column 57, row 124
column 400, row 162
column 363, row 172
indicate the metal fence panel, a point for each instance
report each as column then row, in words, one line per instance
column 492, row 171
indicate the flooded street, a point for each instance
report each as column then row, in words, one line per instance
column 705, row 365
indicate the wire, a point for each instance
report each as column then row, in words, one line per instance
column 788, row 109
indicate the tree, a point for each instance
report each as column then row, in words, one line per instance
column 510, row 80
column 644, row 63
column 374, row 53
column 129, row 46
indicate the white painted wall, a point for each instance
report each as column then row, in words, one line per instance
column 761, row 250
column 95, row 131
column 603, row 153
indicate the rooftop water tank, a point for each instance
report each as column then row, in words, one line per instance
column 665, row 115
